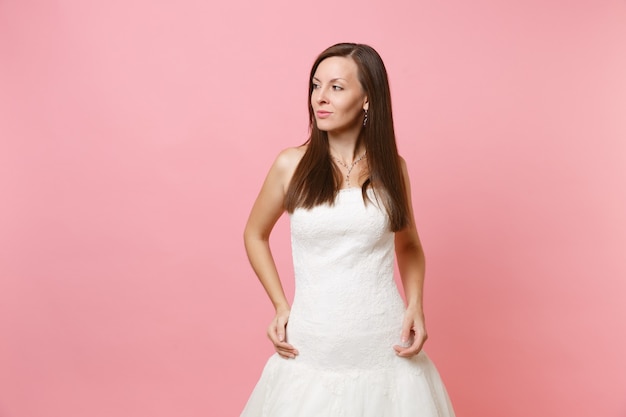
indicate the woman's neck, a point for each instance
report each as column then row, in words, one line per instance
column 345, row 148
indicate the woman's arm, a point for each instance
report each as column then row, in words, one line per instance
column 411, row 264
column 267, row 209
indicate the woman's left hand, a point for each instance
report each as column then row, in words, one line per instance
column 413, row 333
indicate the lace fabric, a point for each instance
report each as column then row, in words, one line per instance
column 345, row 318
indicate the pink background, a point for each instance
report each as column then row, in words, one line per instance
column 134, row 136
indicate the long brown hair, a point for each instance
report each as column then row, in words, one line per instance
column 316, row 180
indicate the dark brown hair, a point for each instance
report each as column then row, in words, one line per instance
column 316, row 179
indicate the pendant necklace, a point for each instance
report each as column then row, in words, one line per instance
column 349, row 167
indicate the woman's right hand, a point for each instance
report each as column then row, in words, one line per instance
column 277, row 334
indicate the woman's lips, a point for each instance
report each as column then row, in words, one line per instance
column 322, row 114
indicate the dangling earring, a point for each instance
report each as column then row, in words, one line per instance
column 365, row 119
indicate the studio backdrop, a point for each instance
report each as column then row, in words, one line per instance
column 135, row 135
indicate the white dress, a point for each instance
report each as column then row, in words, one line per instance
column 345, row 318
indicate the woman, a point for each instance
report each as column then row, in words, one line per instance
column 348, row 346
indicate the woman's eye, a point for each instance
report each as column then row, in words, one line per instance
column 315, row 86
column 337, row 87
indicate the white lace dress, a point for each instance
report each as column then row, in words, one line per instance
column 345, row 318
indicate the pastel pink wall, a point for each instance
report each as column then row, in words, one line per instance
column 134, row 136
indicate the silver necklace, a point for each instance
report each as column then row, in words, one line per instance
column 349, row 167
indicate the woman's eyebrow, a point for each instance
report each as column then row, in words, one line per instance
column 333, row 80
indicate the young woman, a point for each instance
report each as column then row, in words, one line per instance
column 348, row 346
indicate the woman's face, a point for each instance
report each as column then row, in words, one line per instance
column 337, row 98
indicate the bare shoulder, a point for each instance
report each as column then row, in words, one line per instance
column 286, row 163
column 403, row 165
column 405, row 175
column 288, row 159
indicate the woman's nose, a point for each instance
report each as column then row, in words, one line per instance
column 320, row 95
